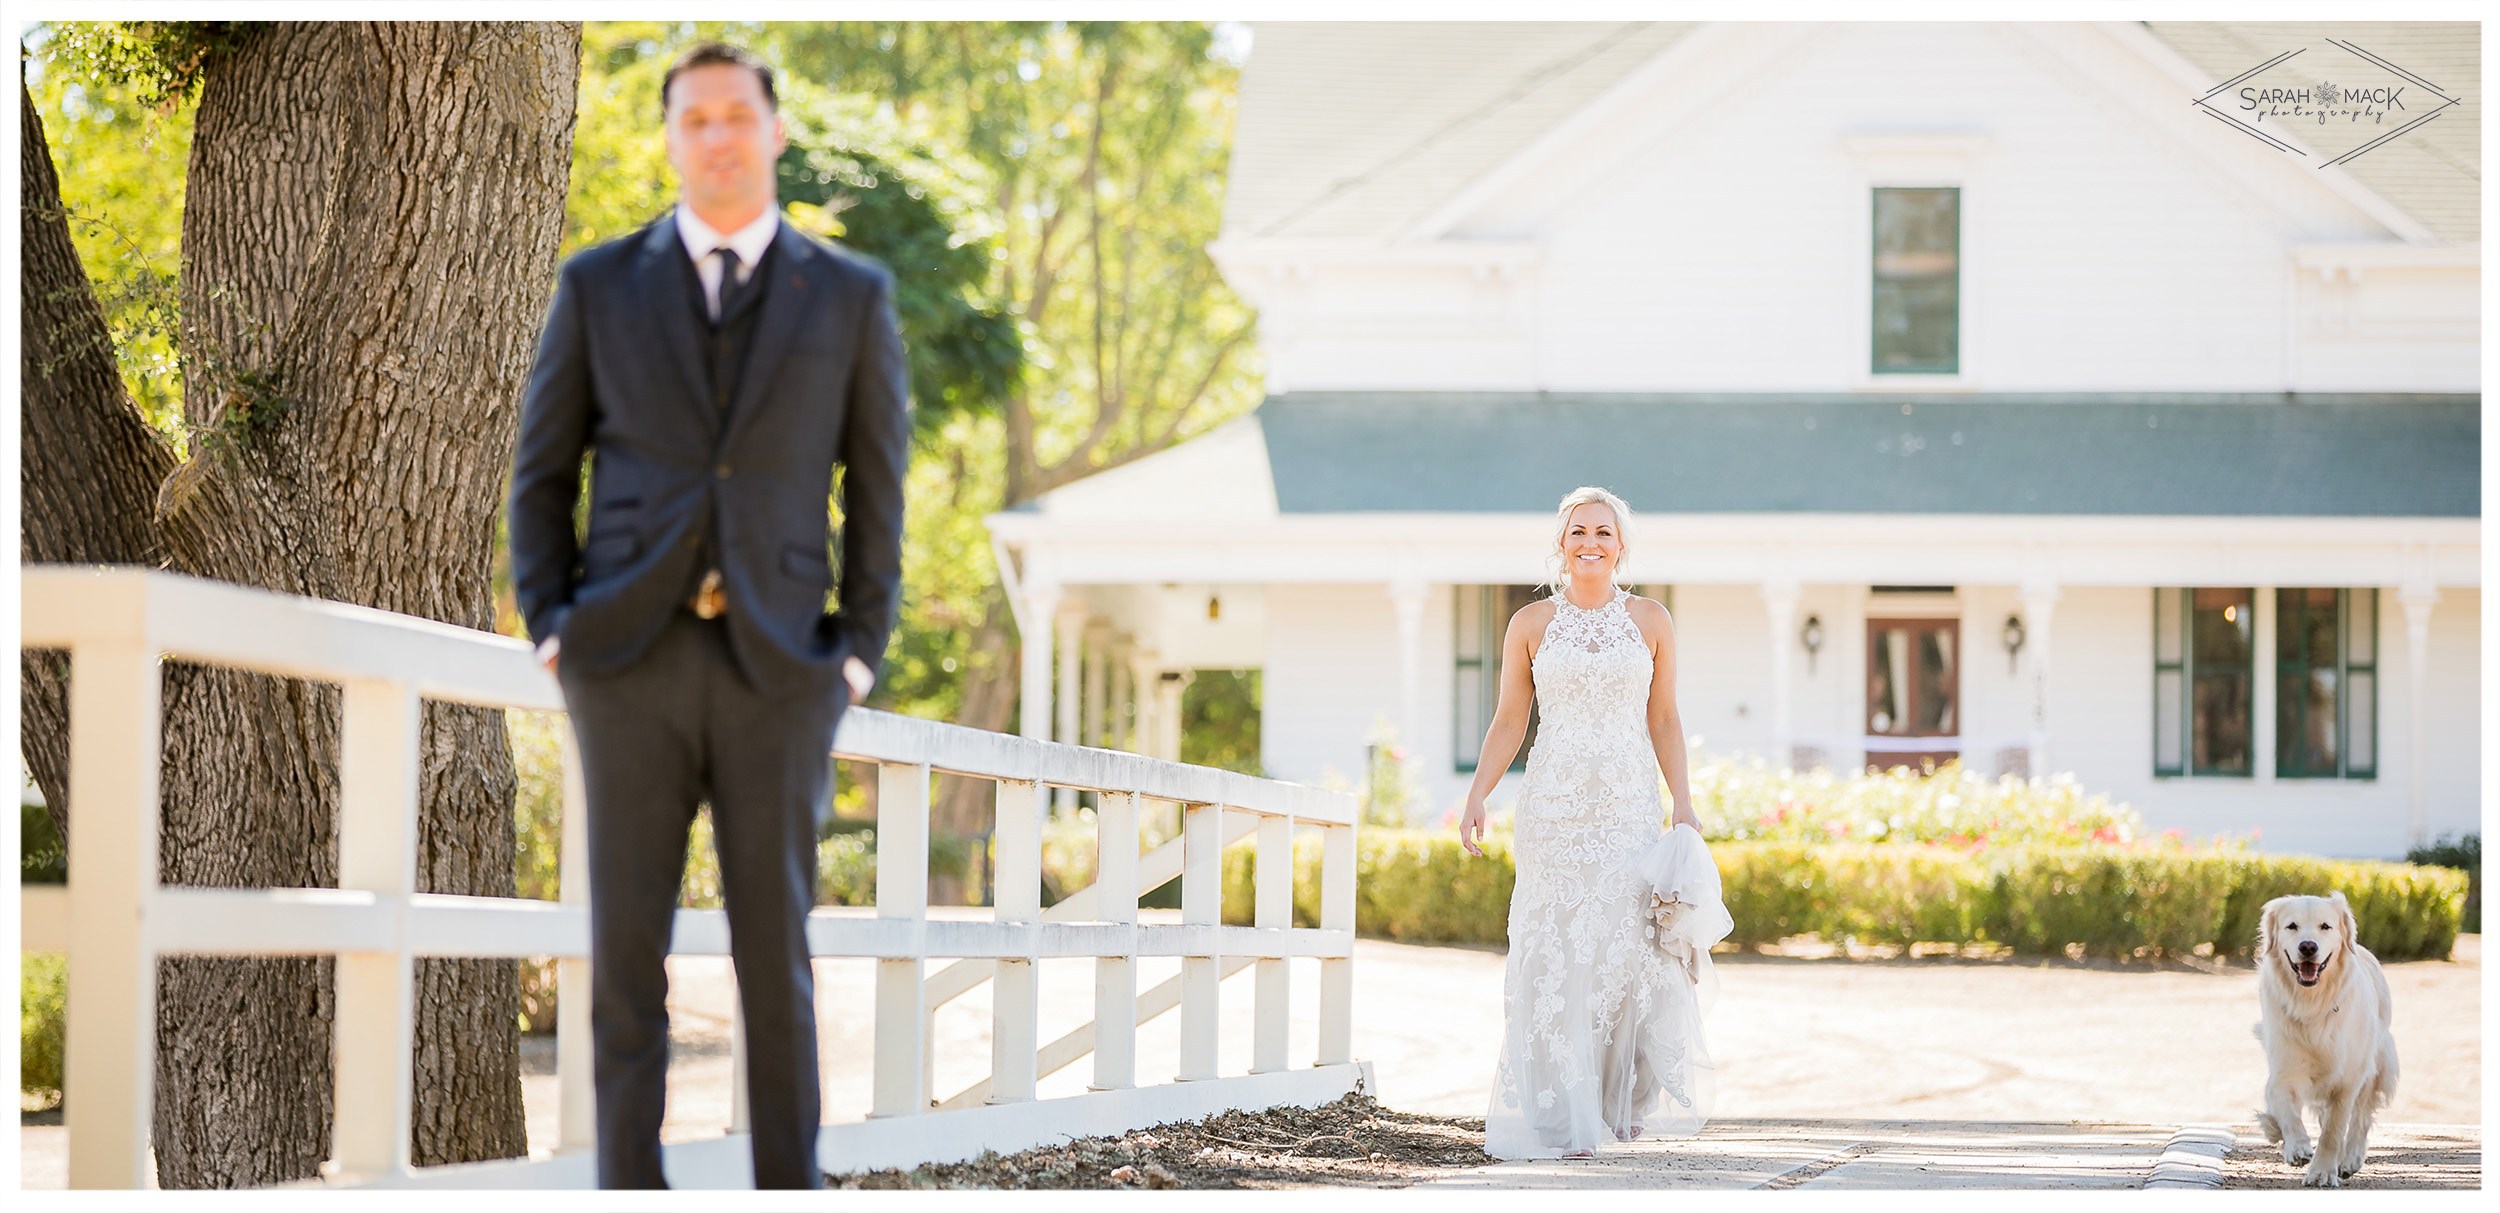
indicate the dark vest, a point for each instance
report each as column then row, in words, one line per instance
column 724, row 344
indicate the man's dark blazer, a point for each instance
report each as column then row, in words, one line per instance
column 620, row 373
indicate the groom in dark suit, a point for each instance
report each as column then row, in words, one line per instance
column 715, row 365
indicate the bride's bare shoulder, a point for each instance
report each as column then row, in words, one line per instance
column 1650, row 615
column 1527, row 624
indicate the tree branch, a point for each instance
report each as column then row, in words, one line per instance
column 89, row 464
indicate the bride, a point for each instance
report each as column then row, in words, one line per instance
column 1600, row 1020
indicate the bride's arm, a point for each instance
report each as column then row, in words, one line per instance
column 1666, row 725
column 1510, row 717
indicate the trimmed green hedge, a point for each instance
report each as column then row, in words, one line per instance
column 42, row 1017
column 2106, row 900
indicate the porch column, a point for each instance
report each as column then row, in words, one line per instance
column 1041, row 609
column 1071, row 639
column 2418, row 600
column 1780, row 597
column 1148, row 675
column 1844, row 644
column 1168, row 687
column 2039, row 609
column 1095, row 731
column 1123, row 671
column 1406, row 595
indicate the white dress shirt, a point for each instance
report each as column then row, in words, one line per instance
column 702, row 239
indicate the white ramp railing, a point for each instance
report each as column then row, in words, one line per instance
column 114, row 919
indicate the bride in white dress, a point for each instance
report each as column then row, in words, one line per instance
column 1601, row 1039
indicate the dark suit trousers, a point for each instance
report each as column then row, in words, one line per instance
column 679, row 727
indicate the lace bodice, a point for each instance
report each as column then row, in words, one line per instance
column 1593, row 759
column 1592, row 674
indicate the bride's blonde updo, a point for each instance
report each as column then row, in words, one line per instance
column 1583, row 495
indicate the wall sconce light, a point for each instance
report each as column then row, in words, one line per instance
column 1811, row 636
column 1215, row 607
column 2013, row 640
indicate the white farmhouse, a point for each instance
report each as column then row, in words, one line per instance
column 1982, row 393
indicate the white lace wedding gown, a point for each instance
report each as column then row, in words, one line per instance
column 1601, row 1031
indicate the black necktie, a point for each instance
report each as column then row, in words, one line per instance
column 731, row 289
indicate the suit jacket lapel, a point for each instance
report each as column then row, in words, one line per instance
column 784, row 305
column 661, row 276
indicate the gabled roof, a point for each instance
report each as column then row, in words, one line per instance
column 2209, row 455
column 2433, row 173
column 1358, row 131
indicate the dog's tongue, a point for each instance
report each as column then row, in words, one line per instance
column 2307, row 970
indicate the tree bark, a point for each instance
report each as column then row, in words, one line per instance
column 369, row 240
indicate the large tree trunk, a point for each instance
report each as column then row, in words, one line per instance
column 369, row 237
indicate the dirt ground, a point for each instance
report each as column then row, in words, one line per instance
column 1352, row 1143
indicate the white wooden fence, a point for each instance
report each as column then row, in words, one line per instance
column 114, row 919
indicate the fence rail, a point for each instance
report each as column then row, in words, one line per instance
column 114, row 919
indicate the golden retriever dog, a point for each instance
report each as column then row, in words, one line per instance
column 2326, row 1029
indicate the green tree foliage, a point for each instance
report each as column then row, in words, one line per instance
column 120, row 113
column 1103, row 145
column 1220, row 720
column 1100, row 150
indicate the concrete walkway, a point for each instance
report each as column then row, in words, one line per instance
column 1942, row 1155
column 1862, row 1154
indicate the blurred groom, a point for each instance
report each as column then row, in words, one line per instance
column 716, row 365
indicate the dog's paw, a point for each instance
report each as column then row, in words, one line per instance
column 2295, row 1152
column 2322, row 1174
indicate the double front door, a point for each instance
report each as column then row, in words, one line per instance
column 1913, row 692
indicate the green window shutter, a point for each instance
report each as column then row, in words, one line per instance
column 1469, row 710
column 2170, row 717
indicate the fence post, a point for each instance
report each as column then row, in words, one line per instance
column 576, row 1124
column 1273, row 911
column 1016, row 896
column 902, row 892
column 1202, row 905
column 1115, row 977
column 376, row 1023
column 1336, row 973
column 116, row 695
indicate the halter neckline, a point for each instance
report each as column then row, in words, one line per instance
column 1563, row 596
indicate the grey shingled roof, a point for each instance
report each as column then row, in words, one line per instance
column 1360, row 129
column 2384, row 455
column 2433, row 172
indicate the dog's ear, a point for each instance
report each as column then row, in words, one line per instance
column 2266, row 922
column 2344, row 922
